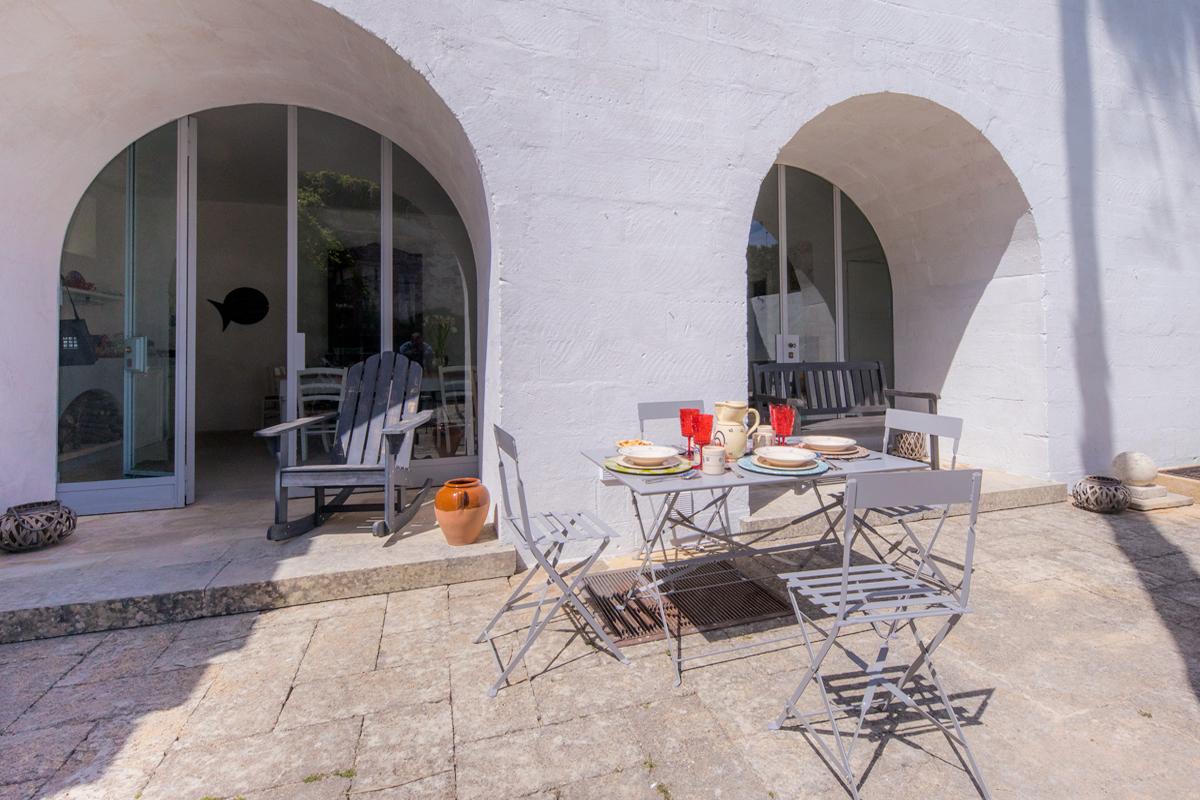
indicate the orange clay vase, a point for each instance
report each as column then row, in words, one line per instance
column 461, row 506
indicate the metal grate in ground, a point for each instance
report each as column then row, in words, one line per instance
column 1185, row 472
column 710, row 597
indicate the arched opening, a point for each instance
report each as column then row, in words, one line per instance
column 218, row 181
column 85, row 98
column 955, row 231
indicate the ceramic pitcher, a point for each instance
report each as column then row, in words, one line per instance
column 731, row 425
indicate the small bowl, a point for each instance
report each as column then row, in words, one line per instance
column 790, row 457
column 647, row 455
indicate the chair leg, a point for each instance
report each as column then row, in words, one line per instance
column 814, row 670
column 587, row 615
column 512, row 598
column 535, row 630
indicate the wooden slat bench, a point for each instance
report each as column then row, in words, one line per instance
column 838, row 398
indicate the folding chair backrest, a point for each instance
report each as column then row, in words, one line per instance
column 935, row 489
column 512, row 487
column 378, row 392
column 662, row 412
column 932, row 425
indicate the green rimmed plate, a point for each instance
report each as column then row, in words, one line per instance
column 613, row 465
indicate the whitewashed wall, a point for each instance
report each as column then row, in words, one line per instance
column 606, row 157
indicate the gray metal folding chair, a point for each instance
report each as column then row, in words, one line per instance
column 936, row 427
column 684, row 515
column 546, row 535
column 889, row 598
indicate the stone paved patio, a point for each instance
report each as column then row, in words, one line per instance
column 1078, row 677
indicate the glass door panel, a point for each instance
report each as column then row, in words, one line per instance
column 338, row 261
column 868, row 286
column 432, row 268
column 149, row 418
column 762, row 274
column 811, row 278
column 117, row 447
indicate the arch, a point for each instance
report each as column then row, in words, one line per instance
column 85, row 93
column 965, row 259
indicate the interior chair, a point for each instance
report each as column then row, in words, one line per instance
column 457, row 388
column 546, row 535
column 889, row 600
column 319, row 391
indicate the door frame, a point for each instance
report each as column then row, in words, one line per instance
column 164, row 491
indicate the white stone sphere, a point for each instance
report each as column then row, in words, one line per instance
column 1135, row 469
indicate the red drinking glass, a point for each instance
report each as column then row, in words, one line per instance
column 702, row 429
column 686, row 417
column 783, row 418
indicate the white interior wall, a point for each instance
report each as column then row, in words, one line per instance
column 238, row 244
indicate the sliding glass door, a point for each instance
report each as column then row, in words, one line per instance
column 120, row 425
column 817, row 276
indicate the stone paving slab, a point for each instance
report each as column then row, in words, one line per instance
column 1078, row 675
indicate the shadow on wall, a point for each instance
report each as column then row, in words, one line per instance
column 1162, row 50
column 948, row 210
column 963, row 251
column 1161, row 47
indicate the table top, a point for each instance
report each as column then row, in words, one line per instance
column 733, row 478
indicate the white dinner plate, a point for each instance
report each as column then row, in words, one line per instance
column 791, row 457
column 647, row 455
column 673, row 461
column 762, row 462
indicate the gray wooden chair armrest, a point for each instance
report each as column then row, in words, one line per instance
column 930, row 397
column 406, row 425
column 294, row 425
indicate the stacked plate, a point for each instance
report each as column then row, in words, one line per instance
column 648, row 459
column 784, row 457
column 830, row 445
column 753, row 463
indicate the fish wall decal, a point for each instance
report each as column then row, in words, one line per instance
column 244, row 305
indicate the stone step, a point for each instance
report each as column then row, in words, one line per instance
column 46, row 602
column 1001, row 491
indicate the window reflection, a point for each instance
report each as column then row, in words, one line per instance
column 433, row 271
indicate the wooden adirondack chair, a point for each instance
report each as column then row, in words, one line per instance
column 372, row 448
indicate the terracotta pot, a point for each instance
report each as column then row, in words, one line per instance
column 461, row 506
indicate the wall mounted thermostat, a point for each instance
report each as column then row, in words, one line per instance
column 787, row 348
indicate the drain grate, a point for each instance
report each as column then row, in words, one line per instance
column 710, row 597
column 1185, row 472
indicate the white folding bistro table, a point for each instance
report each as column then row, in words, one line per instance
column 669, row 488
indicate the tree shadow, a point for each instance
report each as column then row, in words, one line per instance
column 1162, row 47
